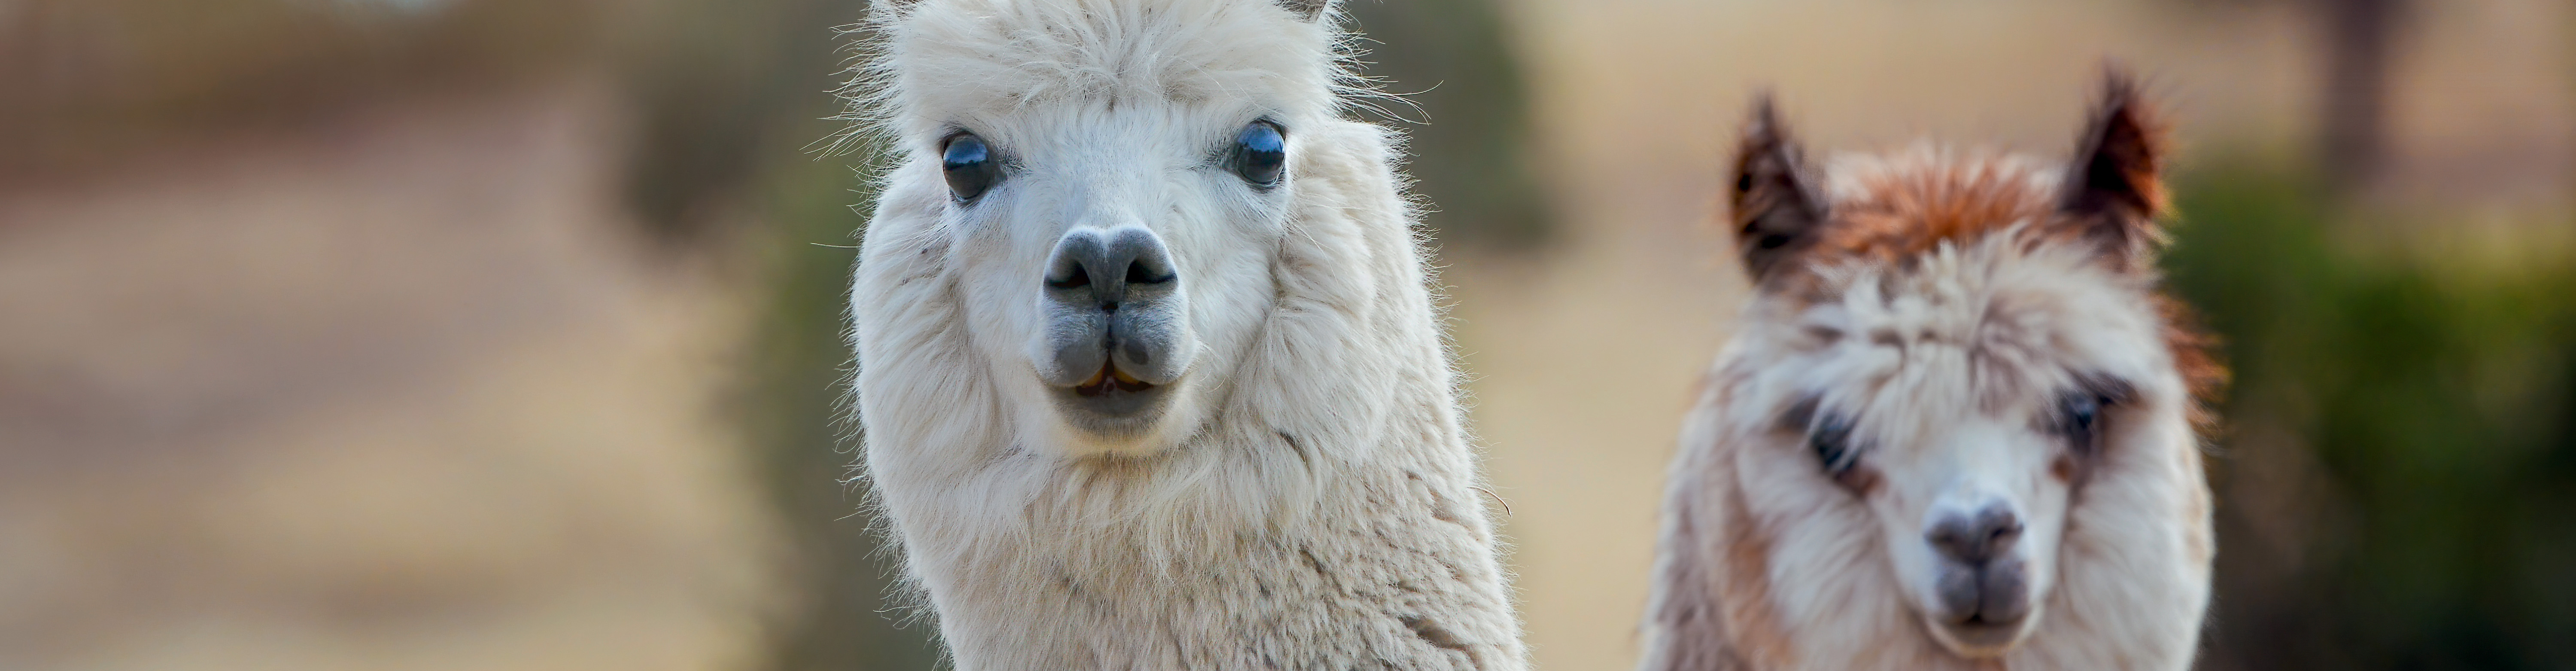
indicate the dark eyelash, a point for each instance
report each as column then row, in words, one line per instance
column 2079, row 419
column 1830, row 439
column 2080, row 412
column 1828, row 435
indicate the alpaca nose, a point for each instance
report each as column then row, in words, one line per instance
column 1091, row 268
column 1115, row 313
column 1976, row 538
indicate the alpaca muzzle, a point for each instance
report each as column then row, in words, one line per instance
column 1982, row 583
column 1116, row 327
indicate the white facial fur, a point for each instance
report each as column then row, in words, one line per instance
column 1954, row 430
column 1948, row 371
column 1135, row 141
column 1950, row 374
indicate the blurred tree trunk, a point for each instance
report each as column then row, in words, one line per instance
column 2353, row 122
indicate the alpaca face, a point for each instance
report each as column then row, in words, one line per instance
column 1096, row 234
column 1963, row 402
column 1957, row 362
column 1113, row 187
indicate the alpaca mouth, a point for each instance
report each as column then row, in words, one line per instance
column 1114, row 403
column 1110, row 380
column 1979, row 636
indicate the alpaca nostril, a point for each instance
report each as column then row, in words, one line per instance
column 1092, row 268
column 1139, row 273
column 1069, row 266
column 2003, row 535
column 1078, row 279
column 1975, row 539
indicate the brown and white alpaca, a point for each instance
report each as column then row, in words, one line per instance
column 1956, row 427
column 1149, row 371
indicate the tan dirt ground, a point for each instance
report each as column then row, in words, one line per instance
column 397, row 393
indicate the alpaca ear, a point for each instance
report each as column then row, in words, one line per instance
column 2114, row 191
column 1776, row 213
column 1307, row 9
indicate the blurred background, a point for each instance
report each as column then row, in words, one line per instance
column 503, row 334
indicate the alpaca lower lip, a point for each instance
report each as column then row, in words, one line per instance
column 1977, row 635
column 1113, row 402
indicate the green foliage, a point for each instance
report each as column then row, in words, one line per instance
column 1452, row 60
column 847, row 616
column 724, row 92
column 2429, row 412
column 730, row 96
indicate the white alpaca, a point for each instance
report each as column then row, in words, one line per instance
column 1955, row 428
column 1148, row 371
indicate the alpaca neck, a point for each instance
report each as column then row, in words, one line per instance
column 1198, row 558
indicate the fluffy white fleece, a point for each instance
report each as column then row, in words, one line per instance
column 1310, row 503
column 1768, row 563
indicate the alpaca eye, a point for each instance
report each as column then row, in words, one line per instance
column 1831, row 441
column 969, row 166
column 1261, row 153
column 2079, row 417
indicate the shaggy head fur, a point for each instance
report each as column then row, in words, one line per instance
column 1955, row 430
column 1280, row 479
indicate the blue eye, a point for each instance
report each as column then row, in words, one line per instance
column 2078, row 416
column 1261, row 153
column 969, row 166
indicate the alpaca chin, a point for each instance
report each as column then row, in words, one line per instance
column 1980, row 640
column 1122, row 422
